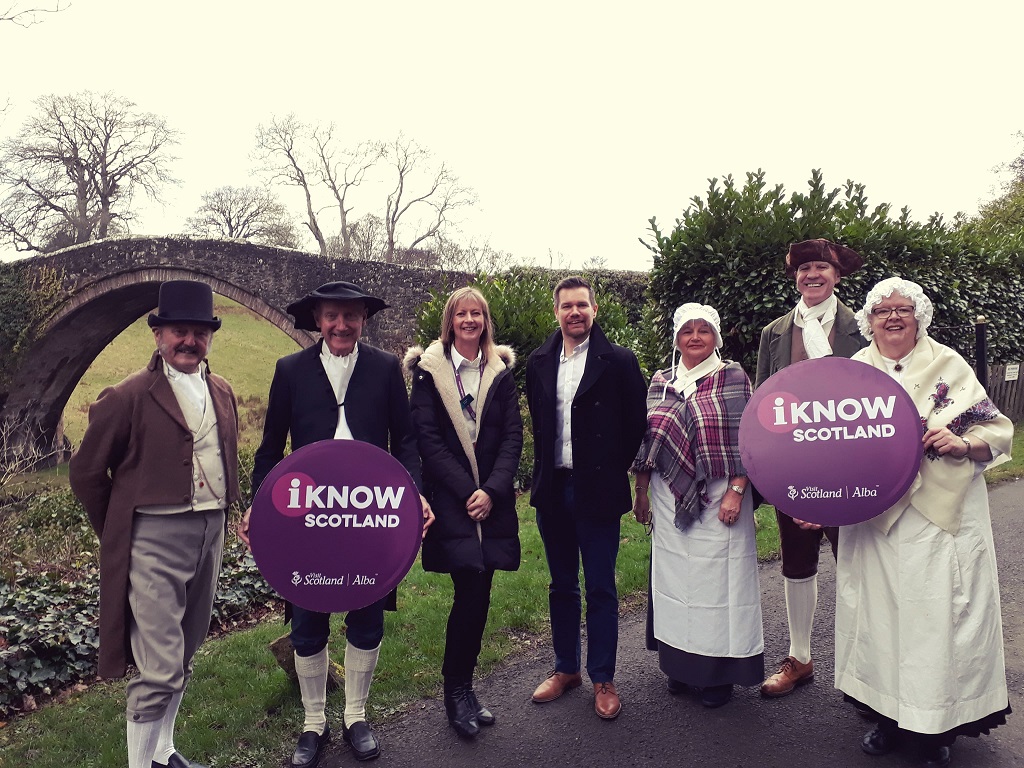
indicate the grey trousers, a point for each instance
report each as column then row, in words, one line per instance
column 172, row 580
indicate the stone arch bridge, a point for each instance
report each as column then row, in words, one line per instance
column 82, row 298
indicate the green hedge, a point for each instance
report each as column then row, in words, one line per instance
column 728, row 247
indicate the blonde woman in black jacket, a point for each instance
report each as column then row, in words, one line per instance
column 470, row 434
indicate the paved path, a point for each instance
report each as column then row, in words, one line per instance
column 810, row 728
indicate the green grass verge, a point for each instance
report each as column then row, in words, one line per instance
column 241, row 710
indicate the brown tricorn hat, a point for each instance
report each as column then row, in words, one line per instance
column 845, row 260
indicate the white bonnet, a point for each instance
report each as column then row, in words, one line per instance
column 694, row 311
column 906, row 288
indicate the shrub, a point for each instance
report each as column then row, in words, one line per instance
column 727, row 250
column 49, row 595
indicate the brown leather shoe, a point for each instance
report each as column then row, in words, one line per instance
column 556, row 685
column 791, row 674
column 606, row 701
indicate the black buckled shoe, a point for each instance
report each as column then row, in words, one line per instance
column 178, row 760
column 879, row 741
column 308, row 750
column 484, row 716
column 360, row 737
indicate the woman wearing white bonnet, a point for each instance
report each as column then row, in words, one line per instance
column 704, row 608
column 919, row 643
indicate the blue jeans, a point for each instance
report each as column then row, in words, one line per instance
column 310, row 629
column 567, row 538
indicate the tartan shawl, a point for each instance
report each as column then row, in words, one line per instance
column 701, row 430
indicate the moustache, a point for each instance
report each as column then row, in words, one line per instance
column 186, row 349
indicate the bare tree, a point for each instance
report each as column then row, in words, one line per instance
column 473, row 257
column 419, row 186
column 74, row 168
column 341, row 171
column 246, row 213
column 311, row 158
column 280, row 147
column 367, row 238
column 26, row 17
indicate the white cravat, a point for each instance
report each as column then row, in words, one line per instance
column 190, row 386
column 816, row 323
column 339, row 369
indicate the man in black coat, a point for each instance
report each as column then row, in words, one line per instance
column 346, row 390
column 587, row 400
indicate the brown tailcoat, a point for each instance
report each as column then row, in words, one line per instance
column 137, row 451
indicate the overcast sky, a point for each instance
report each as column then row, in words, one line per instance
column 574, row 122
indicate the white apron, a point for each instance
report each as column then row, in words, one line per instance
column 704, row 582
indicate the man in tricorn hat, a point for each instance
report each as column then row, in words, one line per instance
column 156, row 471
column 344, row 389
column 820, row 325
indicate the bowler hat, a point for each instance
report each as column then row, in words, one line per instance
column 302, row 310
column 845, row 260
column 185, row 301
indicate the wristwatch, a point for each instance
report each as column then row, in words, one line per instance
column 967, row 443
column 738, row 488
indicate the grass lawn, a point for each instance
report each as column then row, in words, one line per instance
column 241, row 710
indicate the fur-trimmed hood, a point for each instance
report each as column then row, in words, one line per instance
column 433, row 361
column 434, row 355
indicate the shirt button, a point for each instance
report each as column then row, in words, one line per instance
column 184, row 462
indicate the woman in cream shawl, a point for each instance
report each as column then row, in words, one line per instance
column 919, row 644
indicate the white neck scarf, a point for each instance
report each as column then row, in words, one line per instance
column 686, row 380
column 191, row 386
column 816, row 322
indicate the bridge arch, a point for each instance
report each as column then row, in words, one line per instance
column 106, row 285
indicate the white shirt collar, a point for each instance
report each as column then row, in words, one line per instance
column 580, row 348
column 174, row 374
column 338, row 361
column 458, row 360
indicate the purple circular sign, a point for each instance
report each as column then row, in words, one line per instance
column 831, row 441
column 336, row 525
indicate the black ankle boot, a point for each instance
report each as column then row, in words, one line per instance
column 461, row 712
column 484, row 716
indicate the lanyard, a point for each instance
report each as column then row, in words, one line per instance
column 465, row 400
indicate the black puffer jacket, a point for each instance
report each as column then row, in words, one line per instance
column 453, row 469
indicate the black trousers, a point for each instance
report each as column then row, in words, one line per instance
column 466, row 623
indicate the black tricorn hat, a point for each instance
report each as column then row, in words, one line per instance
column 302, row 310
column 185, row 301
column 845, row 260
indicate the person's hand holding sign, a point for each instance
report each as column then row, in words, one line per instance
column 242, row 529
column 943, row 441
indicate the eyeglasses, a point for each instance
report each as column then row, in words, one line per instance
column 884, row 313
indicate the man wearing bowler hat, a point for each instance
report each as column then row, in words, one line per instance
column 820, row 325
column 156, row 471
column 343, row 389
